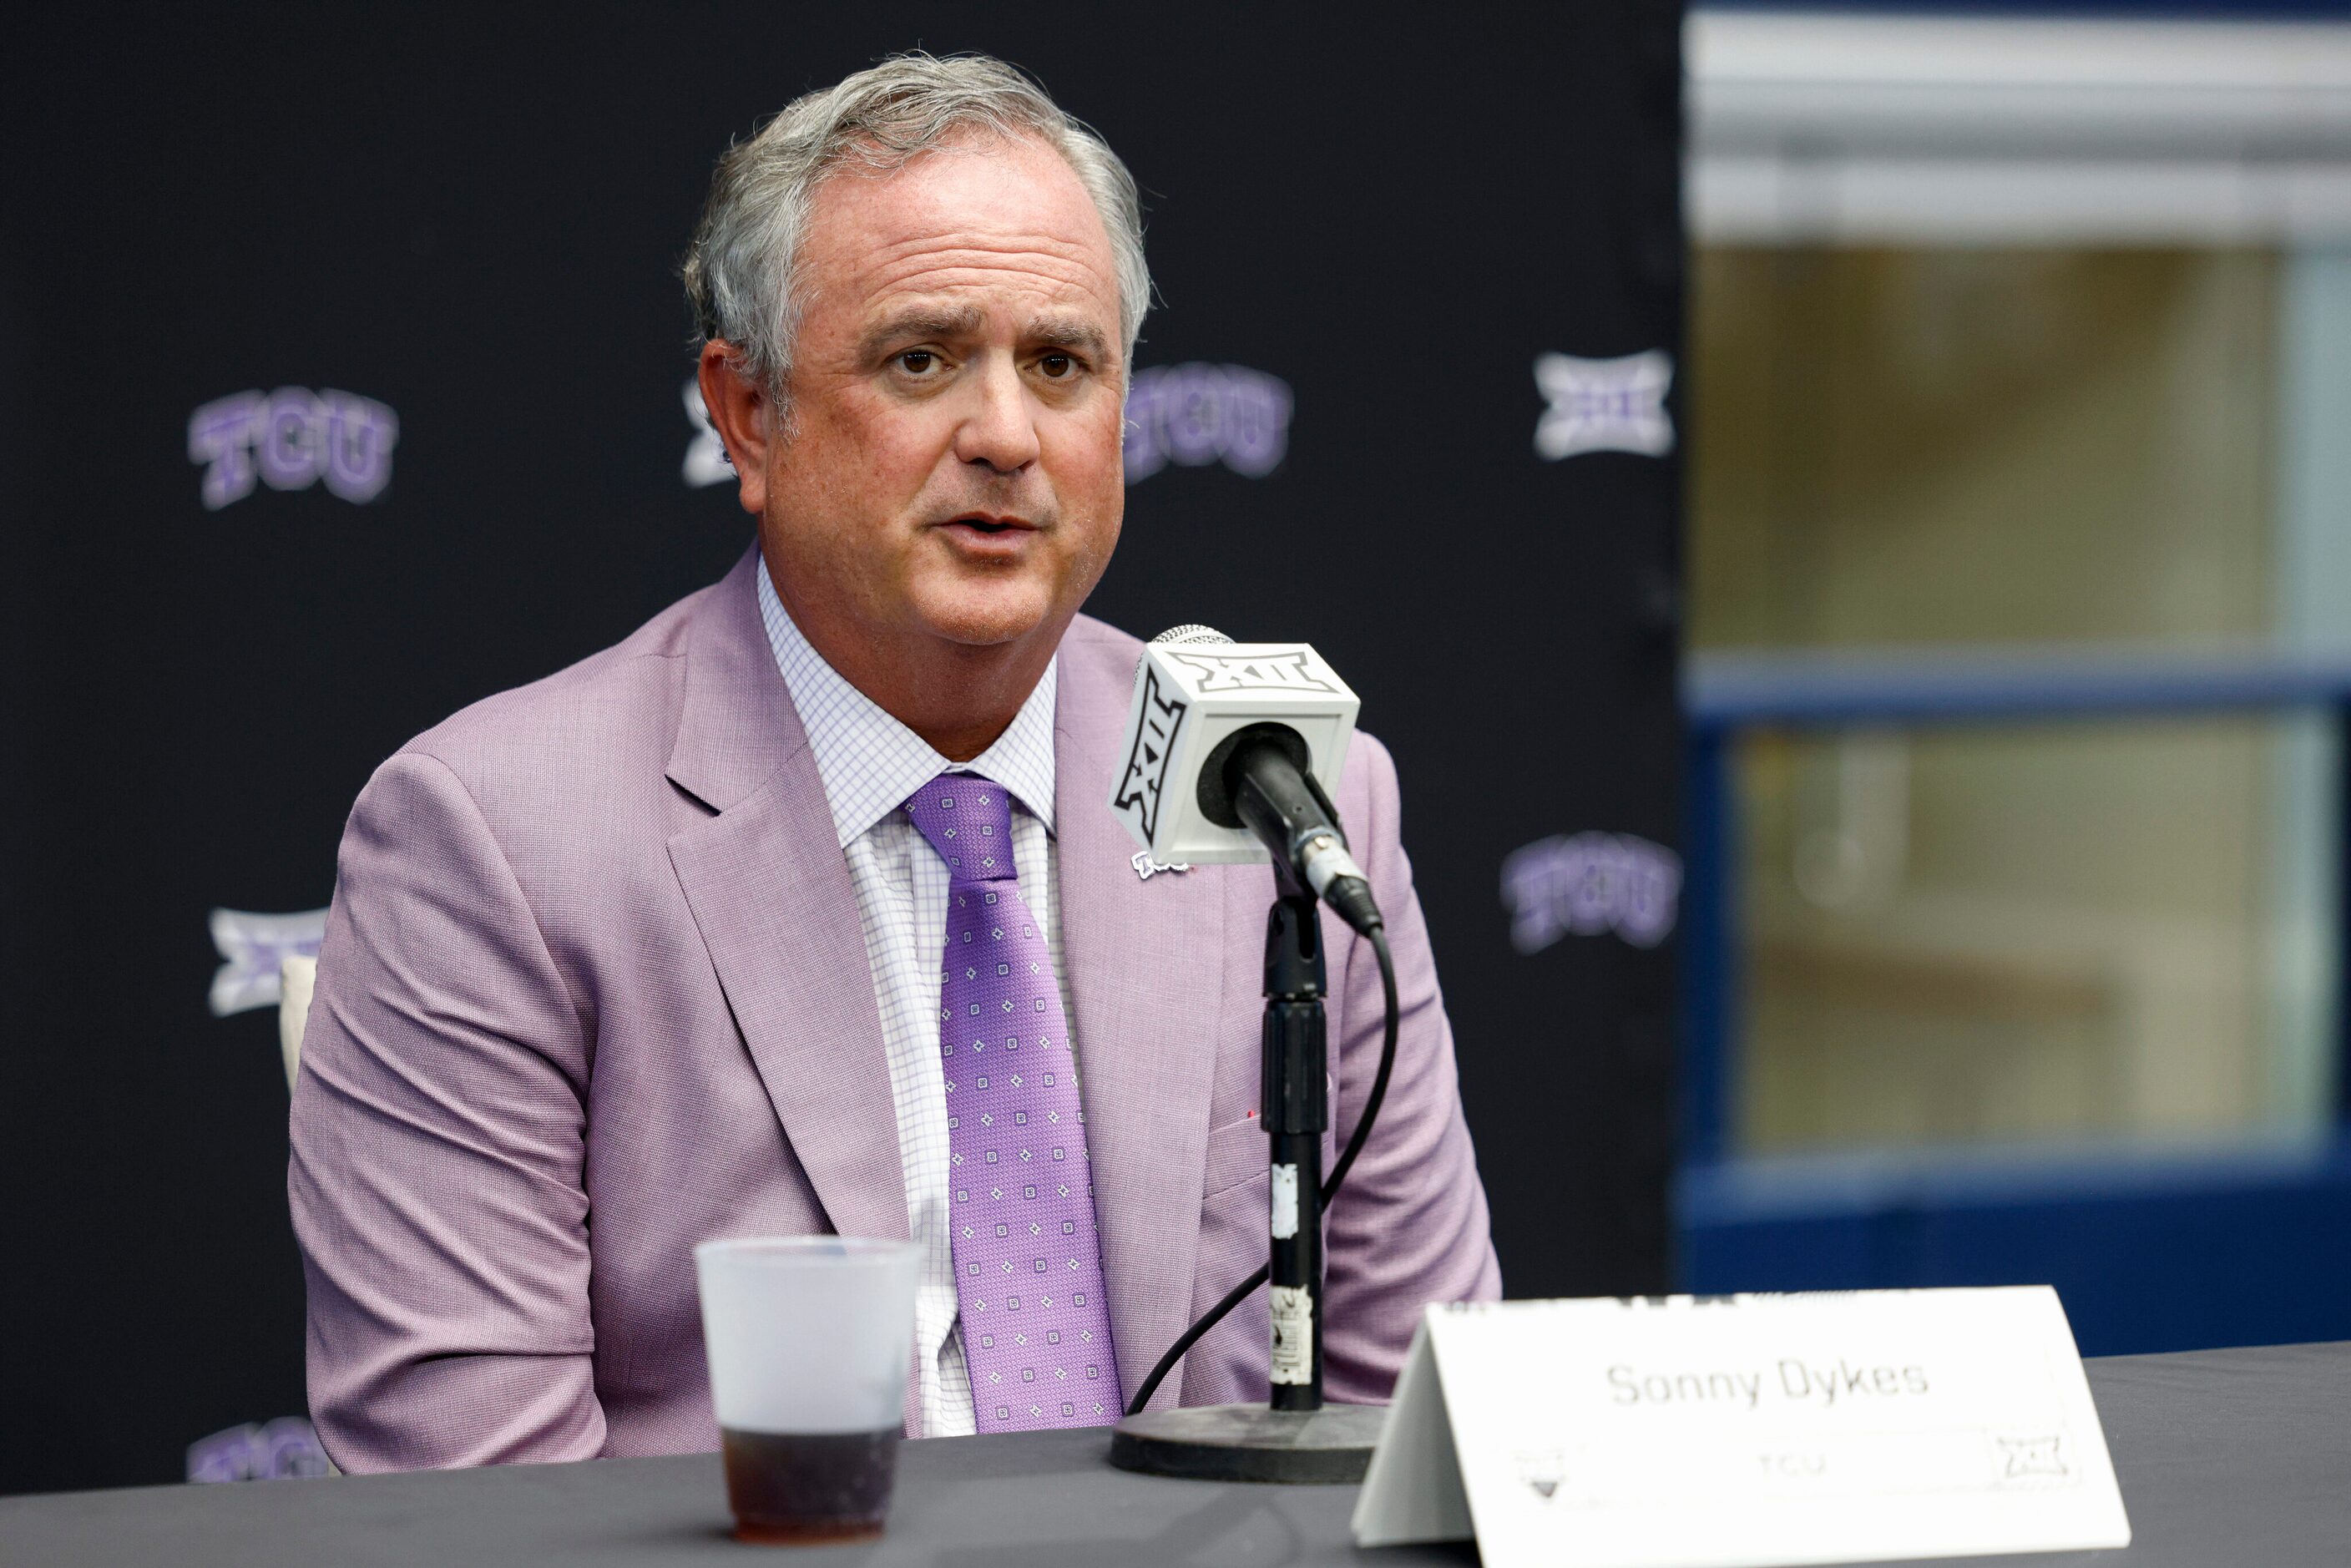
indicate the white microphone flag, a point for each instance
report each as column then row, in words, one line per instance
column 1191, row 695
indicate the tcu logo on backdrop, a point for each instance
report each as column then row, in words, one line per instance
column 284, row 1449
column 291, row 438
column 1604, row 405
column 1590, row 883
column 1197, row 415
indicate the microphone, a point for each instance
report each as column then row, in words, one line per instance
column 1231, row 749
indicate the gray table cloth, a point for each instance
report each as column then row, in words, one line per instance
column 2229, row 1458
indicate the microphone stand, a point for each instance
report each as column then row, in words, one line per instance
column 1296, row 1112
column 1294, row 1437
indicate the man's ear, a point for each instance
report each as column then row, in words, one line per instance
column 741, row 412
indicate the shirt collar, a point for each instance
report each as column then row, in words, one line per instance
column 870, row 762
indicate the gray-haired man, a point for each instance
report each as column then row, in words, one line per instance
column 652, row 951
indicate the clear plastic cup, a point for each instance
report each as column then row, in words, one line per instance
column 808, row 1339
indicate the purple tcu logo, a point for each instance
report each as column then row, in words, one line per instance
column 1197, row 415
column 1589, row 883
column 284, row 1449
column 290, row 439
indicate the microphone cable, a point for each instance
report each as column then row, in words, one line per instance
column 1378, row 937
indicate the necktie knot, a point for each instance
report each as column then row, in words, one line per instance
column 967, row 817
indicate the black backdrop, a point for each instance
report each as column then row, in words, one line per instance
column 475, row 223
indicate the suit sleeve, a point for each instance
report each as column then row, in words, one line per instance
column 438, row 1131
column 1410, row 1226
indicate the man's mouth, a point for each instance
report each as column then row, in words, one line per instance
column 988, row 525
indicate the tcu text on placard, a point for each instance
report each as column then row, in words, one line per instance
column 291, row 438
column 1197, row 415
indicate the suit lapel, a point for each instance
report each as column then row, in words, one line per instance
column 1145, row 965
column 769, row 892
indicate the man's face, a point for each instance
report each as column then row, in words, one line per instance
column 951, row 467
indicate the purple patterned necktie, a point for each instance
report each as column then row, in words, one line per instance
column 1036, row 1328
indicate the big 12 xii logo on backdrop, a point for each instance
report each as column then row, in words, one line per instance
column 1604, row 405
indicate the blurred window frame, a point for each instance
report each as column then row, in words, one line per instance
column 1942, row 131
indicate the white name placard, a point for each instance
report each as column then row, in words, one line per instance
column 1745, row 1431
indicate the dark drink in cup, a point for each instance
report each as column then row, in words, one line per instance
column 808, row 1339
column 789, row 1486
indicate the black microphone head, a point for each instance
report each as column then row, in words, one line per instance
column 1190, row 632
column 1219, row 781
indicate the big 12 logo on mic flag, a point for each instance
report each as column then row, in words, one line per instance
column 1151, row 751
column 1192, row 695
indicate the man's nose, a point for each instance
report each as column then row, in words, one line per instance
column 1001, row 429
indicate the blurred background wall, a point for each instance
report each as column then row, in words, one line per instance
column 2020, row 586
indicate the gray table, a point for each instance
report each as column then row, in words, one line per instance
column 2229, row 1458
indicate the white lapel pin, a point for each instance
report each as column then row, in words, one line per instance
column 1146, row 868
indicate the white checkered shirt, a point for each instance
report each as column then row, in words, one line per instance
column 869, row 764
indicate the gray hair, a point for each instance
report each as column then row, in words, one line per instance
column 739, row 272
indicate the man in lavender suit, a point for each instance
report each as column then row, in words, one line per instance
column 651, row 952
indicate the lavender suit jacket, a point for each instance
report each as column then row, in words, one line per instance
column 594, row 990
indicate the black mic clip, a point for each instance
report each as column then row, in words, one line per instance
column 1261, row 777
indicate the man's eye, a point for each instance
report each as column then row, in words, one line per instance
column 917, row 362
column 1057, row 365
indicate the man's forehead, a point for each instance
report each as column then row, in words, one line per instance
column 993, row 200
